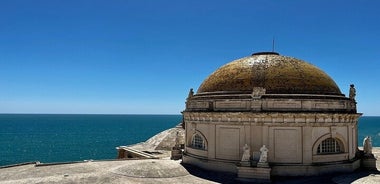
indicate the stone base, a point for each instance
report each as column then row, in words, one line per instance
column 245, row 163
column 276, row 170
column 368, row 163
column 254, row 174
column 262, row 164
column 176, row 154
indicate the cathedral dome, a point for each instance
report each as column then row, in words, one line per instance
column 277, row 74
column 270, row 102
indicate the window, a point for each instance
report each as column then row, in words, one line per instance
column 198, row 142
column 329, row 146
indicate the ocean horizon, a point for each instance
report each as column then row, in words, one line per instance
column 74, row 137
column 77, row 137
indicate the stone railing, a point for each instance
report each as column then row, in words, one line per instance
column 271, row 105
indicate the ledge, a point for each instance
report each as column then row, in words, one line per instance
column 270, row 105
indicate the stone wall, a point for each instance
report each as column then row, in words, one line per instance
column 292, row 138
column 299, row 104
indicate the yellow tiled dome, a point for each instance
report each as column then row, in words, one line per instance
column 277, row 74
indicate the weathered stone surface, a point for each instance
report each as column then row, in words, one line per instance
column 144, row 171
column 287, row 104
column 253, row 174
column 165, row 140
column 369, row 163
column 277, row 74
column 151, row 169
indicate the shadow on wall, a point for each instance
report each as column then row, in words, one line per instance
column 227, row 178
column 219, row 177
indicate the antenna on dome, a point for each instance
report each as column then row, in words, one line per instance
column 273, row 44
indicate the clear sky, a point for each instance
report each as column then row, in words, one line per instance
column 143, row 56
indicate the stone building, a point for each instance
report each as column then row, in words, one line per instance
column 292, row 107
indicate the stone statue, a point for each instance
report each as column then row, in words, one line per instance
column 367, row 145
column 177, row 140
column 264, row 154
column 176, row 153
column 352, row 92
column 246, row 153
column 191, row 93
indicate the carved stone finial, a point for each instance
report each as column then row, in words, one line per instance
column 191, row 93
column 352, row 93
column 177, row 139
column 367, row 145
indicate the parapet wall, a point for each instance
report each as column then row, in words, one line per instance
column 278, row 104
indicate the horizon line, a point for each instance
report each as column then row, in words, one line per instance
column 112, row 114
column 84, row 114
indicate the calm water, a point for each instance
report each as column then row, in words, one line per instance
column 56, row 138
column 369, row 126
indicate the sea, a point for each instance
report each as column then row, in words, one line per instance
column 51, row 138
column 64, row 138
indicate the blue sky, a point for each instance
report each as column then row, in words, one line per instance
column 143, row 56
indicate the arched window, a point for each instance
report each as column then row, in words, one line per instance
column 329, row 146
column 198, row 142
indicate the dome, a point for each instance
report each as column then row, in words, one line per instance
column 277, row 74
